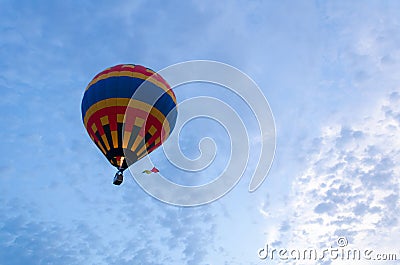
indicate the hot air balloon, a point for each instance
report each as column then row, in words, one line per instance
column 128, row 111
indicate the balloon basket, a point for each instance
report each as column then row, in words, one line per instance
column 118, row 178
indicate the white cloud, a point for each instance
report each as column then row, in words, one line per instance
column 351, row 186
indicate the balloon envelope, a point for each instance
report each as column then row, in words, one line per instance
column 128, row 111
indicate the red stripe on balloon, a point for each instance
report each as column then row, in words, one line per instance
column 129, row 68
column 131, row 113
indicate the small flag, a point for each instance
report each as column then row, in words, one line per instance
column 153, row 170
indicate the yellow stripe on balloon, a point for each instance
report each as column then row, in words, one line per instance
column 139, row 122
column 104, row 120
column 142, row 150
column 152, row 130
column 94, row 127
column 105, row 141
column 120, row 118
column 114, row 136
column 136, row 142
column 141, row 156
column 125, row 141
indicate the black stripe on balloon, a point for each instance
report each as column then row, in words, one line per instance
column 142, row 143
column 147, row 137
column 100, row 140
column 107, row 132
column 119, row 130
column 130, row 158
column 134, row 135
column 151, row 145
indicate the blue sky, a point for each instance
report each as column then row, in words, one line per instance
column 328, row 69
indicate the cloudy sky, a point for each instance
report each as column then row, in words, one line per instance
column 328, row 69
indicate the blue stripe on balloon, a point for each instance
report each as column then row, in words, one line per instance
column 125, row 87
